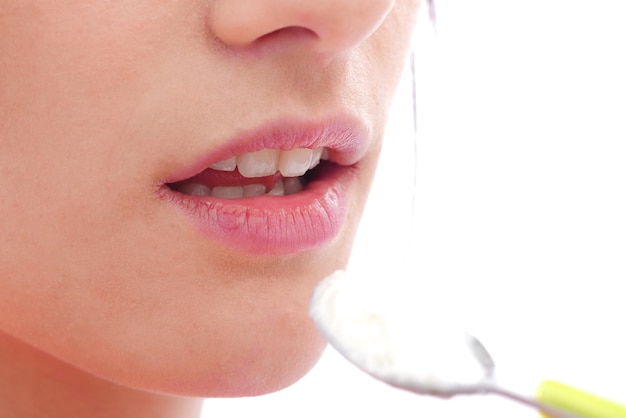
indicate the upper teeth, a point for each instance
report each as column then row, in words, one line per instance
column 290, row 163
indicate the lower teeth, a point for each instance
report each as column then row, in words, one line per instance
column 292, row 185
column 283, row 187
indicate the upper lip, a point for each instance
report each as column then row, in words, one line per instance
column 344, row 137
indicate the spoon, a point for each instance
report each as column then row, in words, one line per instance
column 435, row 358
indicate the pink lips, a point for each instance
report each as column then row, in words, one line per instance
column 273, row 224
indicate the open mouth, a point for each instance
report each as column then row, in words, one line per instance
column 268, row 172
column 282, row 188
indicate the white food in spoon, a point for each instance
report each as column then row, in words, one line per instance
column 392, row 341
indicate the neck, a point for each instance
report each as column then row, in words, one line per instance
column 33, row 383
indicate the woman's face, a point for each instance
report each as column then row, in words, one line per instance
column 123, row 252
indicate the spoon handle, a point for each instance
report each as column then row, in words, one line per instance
column 548, row 410
column 567, row 398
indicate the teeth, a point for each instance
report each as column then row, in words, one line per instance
column 316, row 156
column 258, row 164
column 292, row 185
column 225, row 165
column 283, row 187
column 290, row 163
column 195, row 189
column 252, row 190
column 278, row 189
column 295, row 162
column 234, row 192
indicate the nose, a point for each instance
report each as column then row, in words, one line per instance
column 333, row 26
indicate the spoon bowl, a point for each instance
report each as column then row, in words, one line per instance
column 431, row 357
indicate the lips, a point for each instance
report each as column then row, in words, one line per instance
column 280, row 189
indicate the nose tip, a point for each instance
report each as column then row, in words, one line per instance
column 332, row 26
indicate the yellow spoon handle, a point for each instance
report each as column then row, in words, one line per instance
column 575, row 401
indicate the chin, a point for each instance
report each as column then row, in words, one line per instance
column 245, row 331
column 264, row 350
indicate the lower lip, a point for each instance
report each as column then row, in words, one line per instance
column 273, row 225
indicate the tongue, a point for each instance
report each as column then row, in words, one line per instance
column 215, row 178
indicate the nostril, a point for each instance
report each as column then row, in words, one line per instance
column 289, row 33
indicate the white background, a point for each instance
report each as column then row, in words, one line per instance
column 519, row 223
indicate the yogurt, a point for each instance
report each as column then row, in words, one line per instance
column 396, row 341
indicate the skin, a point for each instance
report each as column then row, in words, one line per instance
column 111, row 303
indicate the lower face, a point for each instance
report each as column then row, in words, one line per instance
column 119, row 255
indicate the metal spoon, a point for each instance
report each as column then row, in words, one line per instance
column 426, row 359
